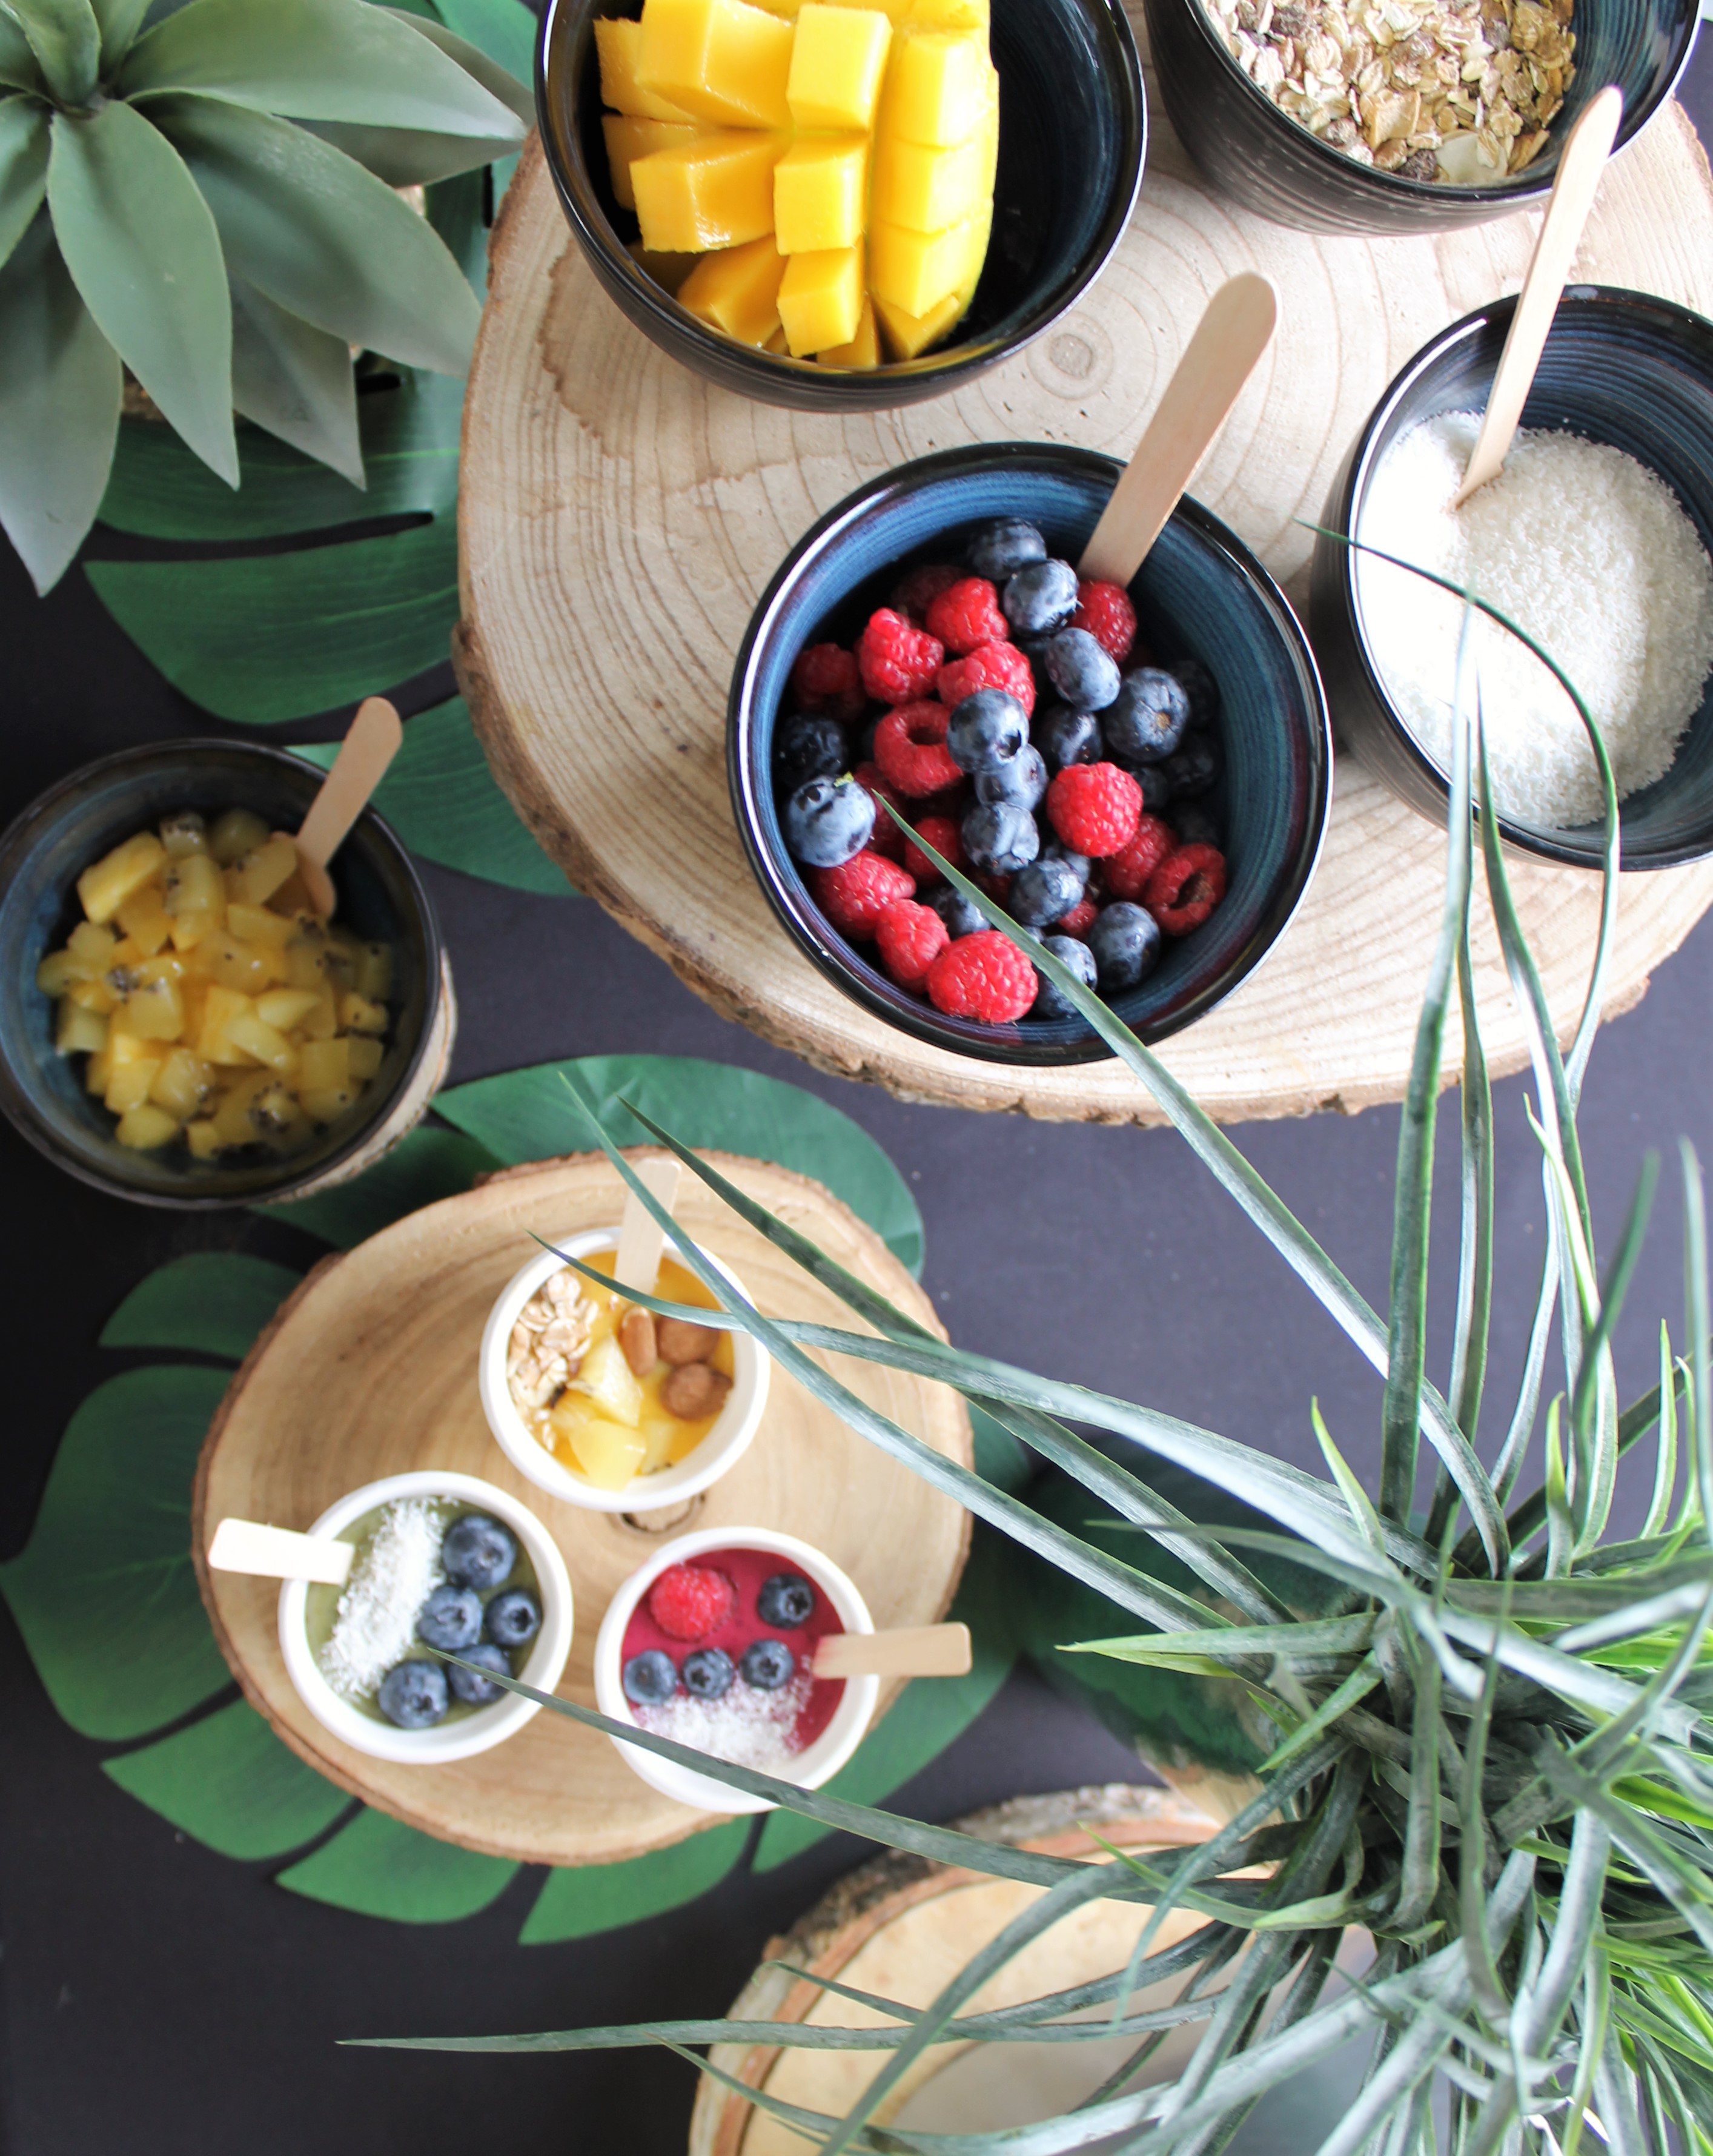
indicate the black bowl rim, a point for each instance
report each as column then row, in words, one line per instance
column 1501, row 194
column 1685, row 324
column 936, row 373
column 34, row 820
column 1011, row 1044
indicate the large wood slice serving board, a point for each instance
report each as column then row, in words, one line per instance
column 618, row 518
column 369, row 1369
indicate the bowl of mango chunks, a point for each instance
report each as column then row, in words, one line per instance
column 178, row 1025
column 840, row 208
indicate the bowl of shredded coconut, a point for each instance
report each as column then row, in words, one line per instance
column 1594, row 540
column 363, row 1653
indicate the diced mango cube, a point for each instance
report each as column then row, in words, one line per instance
column 820, row 299
column 605, row 1377
column 949, row 15
column 717, row 191
column 628, row 138
column 145, row 1126
column 738, row 290
column 821, row 193
column 104, row 887
column 668, row 271
column 259, row 874
column 721, row 61
column 777, row 342
column 936, row 86
column 915, row 270
column 838, row 62
column 895, row 10
column 908, row 335
column 925, row 190
column 863, row 350
column 618, row 48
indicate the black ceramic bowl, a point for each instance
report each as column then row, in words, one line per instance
column 1261, row 158
column 1201, row 595
column 1073, row 131
column 1619, row 368
column 48, row 847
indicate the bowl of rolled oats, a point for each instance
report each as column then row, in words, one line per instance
column 1402, row 116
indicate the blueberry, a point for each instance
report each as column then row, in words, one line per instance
column 1077, row 956
column 986, row 730
column 1045, row 892
column 1056, row 849
column 999, row 549
column 787, row 1600
column 1067, row 736
column 478, row 1552
column 450, row 1618
column 708, row 1673
column 512, row 1619
column 649, row 1677
column 478, row 1690
column 1084, row 674
column 768, row 1663
column 829, row 821
column 1195, row 767
column 808, row 747
column 1040, row 598
column 1147, row 719
column 1156, row 787
column 1000, row 837
column 1199, row 685
column 1022, row 781
column 1194, row 827
column 1123, row 941
column 413, row 1695
column 962, row 916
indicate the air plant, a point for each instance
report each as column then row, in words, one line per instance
column 1491, row 1744
column 205, row 194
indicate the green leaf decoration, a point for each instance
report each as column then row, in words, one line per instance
column 401, row 155
column 228, row 1783
column 505, row 30
column 17, row 64
column 142, row 248
column 214, row 1302
column 66, row 40
column 441, row 798
column 505, row 75
column 295, row 381
column 526, row 1115
column 103, row 1592
column 377, row 1866
column 60, row 386
column 119, row 20
column 23, row 167
column 580, row 1899
column 420, row 1170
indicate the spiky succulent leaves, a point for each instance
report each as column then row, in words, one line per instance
column 295, row 381
column 402, row 155
column 19, row 69
column 23, row 167
column 66, row 40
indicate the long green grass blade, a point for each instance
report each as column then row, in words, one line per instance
column 1700, row 1394
column 1665, row 1458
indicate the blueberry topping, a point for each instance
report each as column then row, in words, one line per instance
column 828, row 821
column 808, row 747
column 451, row 1619
column 514, row 1619
column 708, row 1673
column 1023, row 780
column 1194, row 827
column 1044, row 892
column 1056, row 849
column 1040, row 598
column 768, row 1663
column 1123, row 941
column 986, row 730
column 787, row 1600
column 1156, row 787
column 1067, row 736
column 1077, row 956
column 413, row 1695
column 479, row 1691
column 1085, row 676
column 999, row 550
column 1000, row 837
column 1199, row 685
column 962, row 916
column 649, row 1677
column 1195, row 766
column 1148, row 718
column 478, row 1552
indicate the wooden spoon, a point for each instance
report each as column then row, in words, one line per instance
column 1217, row 361
column 279, row 1553
column 641, row 1238
column 1581, row 163
column 910, row 1650
column 374, row 739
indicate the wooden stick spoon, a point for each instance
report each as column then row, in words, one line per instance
column 279, row 1553
column 910, row 1650
column 641, row 1238
column 1217, row 361
column 1581, row 163
column 374, row 739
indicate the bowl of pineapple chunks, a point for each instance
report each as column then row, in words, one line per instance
column 178, row 1025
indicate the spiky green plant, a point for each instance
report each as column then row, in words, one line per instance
column 203, row 193
column 1493, row 1753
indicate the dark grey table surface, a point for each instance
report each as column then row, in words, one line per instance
column 157, row 1999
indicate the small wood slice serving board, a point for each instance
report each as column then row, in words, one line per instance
column 618, row 518
column 370, row 1369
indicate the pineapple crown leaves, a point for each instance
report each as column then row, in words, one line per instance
column 204, row 194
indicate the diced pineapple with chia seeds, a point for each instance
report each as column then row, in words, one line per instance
column 259, row 874
column 104, row 888
column 185, row 831
column 129, row 1086
column 153, row 1007
column 359, row 1015
column 238, row 832
column 607, row 1453
column 145, row 1126
column 249, row 968
column 260, row 924
column 367, row 1055
column 145, row 919
column 203, row 1138
column 78, row 1031
column 251, row 1032
column 285, row 1008
column 181, row 1084
column 326, row 1104
column 325, row 1065
column 605, row 1377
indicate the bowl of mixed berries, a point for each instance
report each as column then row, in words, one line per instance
column 1138, row 777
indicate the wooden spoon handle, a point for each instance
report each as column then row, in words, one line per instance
column 1217, row 361
column 913, row 1650
column 374, row 739
column 1581, row 163
column 641, row 1238
column 278, row 1553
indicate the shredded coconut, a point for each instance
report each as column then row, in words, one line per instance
column 374, row 1625
column 1585, row 549
column 747, row 1727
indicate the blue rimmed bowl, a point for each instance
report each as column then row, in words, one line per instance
column 1073, row 137
column 1619, row 366
column 1201, row 595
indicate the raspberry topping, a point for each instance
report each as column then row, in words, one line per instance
column 1079, row 920
column 992, row 666
column 909, row 746
column 909, row 938
column 854, row 896
column 966, row 615
column 825, row 680
column 1130, row 869
column 915, row 594
column 1104, row 610
column 886, row 838
column 689, row 1601
column 1184, row 888
column 898, row 663
column 942, row 833
column 1095, row 808
column 984, row 976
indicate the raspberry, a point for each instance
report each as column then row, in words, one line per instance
column 898, row 663
column 1095, row 808
column 909, row 938
column 966, row 615
column 1079, row 920
column 1185, row 887
column 998, row 888
column 854, row 896
column 825, row 680
column 909, row 746
column 983, row 976
column 992, row 666
column 1104, row 610
column 1130, row 867
column 689, row 1601
column 941, row 833
column 886, row 838
column 915, row 594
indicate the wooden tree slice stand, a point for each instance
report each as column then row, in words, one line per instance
column 618, row 518
column 370, row 1369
